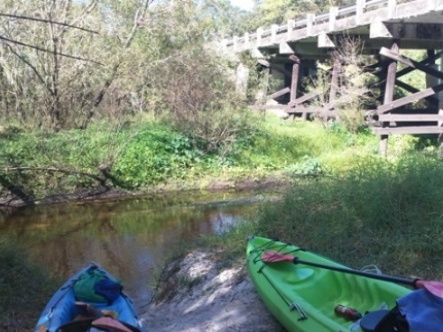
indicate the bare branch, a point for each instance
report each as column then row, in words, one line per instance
column 47, row 21
column 47, row 51
column 87, row 10
column 141, row 12
column 40, row 78
column 54, row 169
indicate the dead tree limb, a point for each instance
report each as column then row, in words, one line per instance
column 16, row 190
column 47, row 21
column 58, row 170
column 138, row 17
column 7, row 40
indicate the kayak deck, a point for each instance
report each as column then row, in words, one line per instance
column 294, row 291
column 65, row 312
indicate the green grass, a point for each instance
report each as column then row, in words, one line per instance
column 146, row 154
column 24, row 289
column 376, row 212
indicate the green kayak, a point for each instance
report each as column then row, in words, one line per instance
column 305, row 298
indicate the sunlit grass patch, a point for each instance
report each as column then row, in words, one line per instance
column 378, row 212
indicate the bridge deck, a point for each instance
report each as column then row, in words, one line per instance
column 417, row 23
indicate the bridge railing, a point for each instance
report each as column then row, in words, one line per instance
column 251, row 40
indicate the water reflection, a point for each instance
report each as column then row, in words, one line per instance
column 129, row 238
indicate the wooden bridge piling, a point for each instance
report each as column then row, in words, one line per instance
column 384, row 27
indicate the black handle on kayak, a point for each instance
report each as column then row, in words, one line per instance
column 405, row 281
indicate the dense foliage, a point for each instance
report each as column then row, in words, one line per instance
column 87, row 60
column 68, row 67
column 267, row 12
column 147, row 153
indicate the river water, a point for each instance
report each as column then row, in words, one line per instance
column 131, row 238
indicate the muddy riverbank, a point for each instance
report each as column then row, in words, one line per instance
column 11, row 200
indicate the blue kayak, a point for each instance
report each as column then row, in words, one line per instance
column 91, row 300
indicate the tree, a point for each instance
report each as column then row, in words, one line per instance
column 52, row 89
column 280, row 11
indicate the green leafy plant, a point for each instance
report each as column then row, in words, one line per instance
column 308, row 166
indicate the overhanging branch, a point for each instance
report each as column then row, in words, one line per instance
column 47, row 21
column 7, row 40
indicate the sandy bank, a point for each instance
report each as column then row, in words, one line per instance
column 196, row 295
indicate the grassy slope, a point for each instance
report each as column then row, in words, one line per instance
column 148, row 154
column 363, row 210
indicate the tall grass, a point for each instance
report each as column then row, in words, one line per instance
column 280, row 143
column 24, row 289
column 389, row 214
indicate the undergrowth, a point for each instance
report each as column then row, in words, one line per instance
column 24, row 289
column 379, row 212
column 145, row 154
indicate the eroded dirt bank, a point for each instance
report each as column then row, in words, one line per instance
column 194, row 294
column 11, row 200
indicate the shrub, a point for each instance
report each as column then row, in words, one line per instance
column 154, row 155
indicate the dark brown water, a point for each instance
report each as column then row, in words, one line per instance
column 130, row 238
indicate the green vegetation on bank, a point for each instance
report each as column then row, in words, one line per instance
column 383, row 212
column 24, row 289
column 146, row 154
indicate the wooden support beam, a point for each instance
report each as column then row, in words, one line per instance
column 411, row 89
column 390, row 78
column 408, row 70
column 279, row 93
column 410, row 117
column 410, row 63
column 407, row 130
column 406, row 86
column 294, row 79
column 304, row 98
column 388, row 97
column 389, row 106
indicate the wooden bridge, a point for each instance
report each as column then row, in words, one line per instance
column 383, row 27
